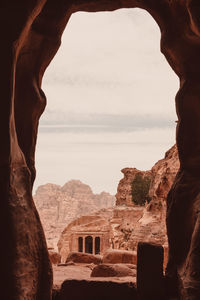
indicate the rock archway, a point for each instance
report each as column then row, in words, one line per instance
column 28, row 44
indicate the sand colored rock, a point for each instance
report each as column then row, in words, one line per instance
column 110, row 270
column 55, row 257
column 120, row 256
column 162, row 177
column 124, row 196
column 86, row 258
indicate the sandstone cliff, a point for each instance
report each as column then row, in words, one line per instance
column 162, row 176
column 58, row 206
column 124, row 196
column 150, row 227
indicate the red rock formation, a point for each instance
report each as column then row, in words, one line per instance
column 119, row 256
column 162, row 177
column 55, row 257
column 30, row 36
column 109, row 270
column 124, row 194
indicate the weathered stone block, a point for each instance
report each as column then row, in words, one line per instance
column 79, row 257
column 150, row 280
column 114, row 256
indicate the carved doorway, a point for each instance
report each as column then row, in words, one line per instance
column 89, row 244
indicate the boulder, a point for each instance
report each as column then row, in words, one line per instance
column 69, row 263
column 86, row 258
column 109, row 270
column 120, row 256
column 55, row 257
column 97, row 290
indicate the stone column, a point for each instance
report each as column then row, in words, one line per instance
column 83, row 244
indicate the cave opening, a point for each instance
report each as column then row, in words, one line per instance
column 106, row 111
column 108, row 101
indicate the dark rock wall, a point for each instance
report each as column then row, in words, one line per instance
column 30, row 37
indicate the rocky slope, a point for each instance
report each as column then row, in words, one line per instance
column 58, row 206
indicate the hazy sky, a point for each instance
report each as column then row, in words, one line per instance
column 110, row 100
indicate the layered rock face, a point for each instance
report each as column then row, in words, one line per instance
column 58, row 206
column 162, row 177
column 124, row 195
column 163, row 174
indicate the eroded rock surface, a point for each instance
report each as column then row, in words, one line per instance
column 55, row 257
column 109, row 270
column 124, row 195
column 86, row 258
column 120, row 256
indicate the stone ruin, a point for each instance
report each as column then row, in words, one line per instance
column 87, row 234
column 30, row 37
